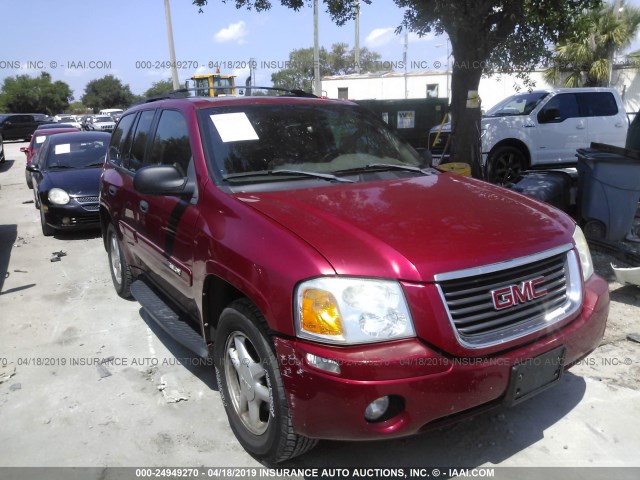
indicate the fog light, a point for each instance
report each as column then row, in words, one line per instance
column 376, row 409
column 66, row 220
column 323, row 363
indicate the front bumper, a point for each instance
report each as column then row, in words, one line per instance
column 432, row 385
column 72, row 216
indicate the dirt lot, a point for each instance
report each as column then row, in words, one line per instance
column 152, row 403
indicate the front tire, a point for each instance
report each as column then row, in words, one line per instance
column 251, row 387
column 47, row 230
column 505, row 165
column 118, row 266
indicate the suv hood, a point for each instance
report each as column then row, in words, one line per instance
column 413, row 229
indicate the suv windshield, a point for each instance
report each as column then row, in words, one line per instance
column 258, row 143
column 522, row 104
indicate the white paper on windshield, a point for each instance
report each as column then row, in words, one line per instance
column 234, row 127
column 41, row 138
column 63, row 148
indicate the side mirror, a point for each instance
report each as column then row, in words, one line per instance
column 162, row 180
column 32, row 168
column 549, row 115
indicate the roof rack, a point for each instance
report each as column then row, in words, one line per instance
column 184, row 93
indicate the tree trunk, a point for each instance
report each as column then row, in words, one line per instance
column 465, row 122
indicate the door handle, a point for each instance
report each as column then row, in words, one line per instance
column 619, row 124
column 144, row 206
column 112, row 190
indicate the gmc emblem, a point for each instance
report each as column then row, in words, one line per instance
column 514, row 294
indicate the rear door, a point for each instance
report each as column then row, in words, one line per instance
column 606, row 120
column 117, row 182
column 561, row 130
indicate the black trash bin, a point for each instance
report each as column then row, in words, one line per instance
column 608, row 190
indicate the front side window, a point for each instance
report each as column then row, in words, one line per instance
column 171, row 142
column 559, row 108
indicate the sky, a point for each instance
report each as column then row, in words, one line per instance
column 77, row 41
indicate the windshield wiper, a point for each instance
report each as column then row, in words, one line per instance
column 56, row 167
column 384, row 166
column 324, row 176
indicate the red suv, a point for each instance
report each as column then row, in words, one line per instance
column 344, row 290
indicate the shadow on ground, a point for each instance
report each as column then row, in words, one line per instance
column 489, row 438
column 200, row 367
column 4, row 166
column 8, row 236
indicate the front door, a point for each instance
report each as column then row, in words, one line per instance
column 561, row 130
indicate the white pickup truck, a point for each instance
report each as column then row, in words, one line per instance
column 542, row 128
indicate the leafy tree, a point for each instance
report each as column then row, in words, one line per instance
column 584, row 59
column 339, row 61
column 107, row 92
column 159, row 88
column 77, row 108
column 485, row 35
column 23, row 93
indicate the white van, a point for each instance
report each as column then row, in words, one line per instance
column 111, row 111
column 543, row 127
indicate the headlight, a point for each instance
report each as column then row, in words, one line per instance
column 352, row 310
column 583, row 251
column 57, row 196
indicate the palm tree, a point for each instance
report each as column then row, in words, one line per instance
column 585, row 58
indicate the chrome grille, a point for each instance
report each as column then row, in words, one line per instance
column 468, row 297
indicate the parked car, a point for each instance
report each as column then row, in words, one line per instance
column 344, row 290
column 66, row 178
column 39, row 136
column 543, row 127
column 48, row 126
column 103, row 123
column 70, row 119
column 20, row 126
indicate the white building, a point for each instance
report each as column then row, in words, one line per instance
column 397, row 85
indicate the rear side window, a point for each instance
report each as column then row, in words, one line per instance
column 121, row 140
column 171, row 142
column 597, row 104
column 140, row 140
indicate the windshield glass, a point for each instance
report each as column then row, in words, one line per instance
column 76, row 154
column 521, row 104
column 202, row 87
column 326, row 139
